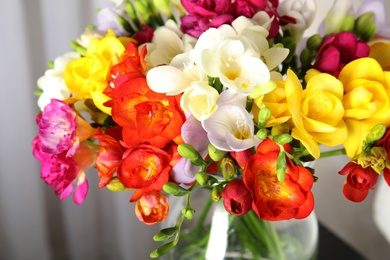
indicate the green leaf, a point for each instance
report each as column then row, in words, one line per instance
column 165, row 234
column 162, row 250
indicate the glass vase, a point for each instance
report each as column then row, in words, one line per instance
column 214, row 234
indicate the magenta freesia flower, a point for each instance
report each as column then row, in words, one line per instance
column 61, row 172
column 57, row 128
column 338, row 50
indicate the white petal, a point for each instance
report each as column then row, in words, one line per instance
column 167, row 79
column 275, row 56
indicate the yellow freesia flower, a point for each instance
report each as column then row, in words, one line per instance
column 366, row 100
column 87, row 76
column 276, row 101
column 317, row 112
column 380, row 51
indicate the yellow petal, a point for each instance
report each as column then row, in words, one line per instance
column 363, row 68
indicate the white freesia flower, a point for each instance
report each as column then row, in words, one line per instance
column 52, row 83
column 88, row 35
column 230, row 128
column 200, row 100
column 168, row 41
column 303, row 11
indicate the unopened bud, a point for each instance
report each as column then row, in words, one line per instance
column 115, row 185
column 282, row 139
column 262, row 134
column 280, row 129
column 202, row 178
column 143, row 11
column 188, row 213
column 189, row 152
column 125, row 24
column 228, row 168
column 215, row 154
column 164, row 6
column 314, row 42
column 376, row 133
column 305, row 58
column 216, row 193
column 348, row 23
column 174, row 189
column 264, row 115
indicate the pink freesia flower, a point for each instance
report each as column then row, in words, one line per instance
column 61, row 172
column 338, row 50
column 57, row 128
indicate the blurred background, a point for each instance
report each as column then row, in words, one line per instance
column 34, row 224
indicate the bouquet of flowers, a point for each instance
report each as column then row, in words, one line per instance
column 165, row 97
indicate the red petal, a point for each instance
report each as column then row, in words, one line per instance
column 386, row 175
column 354, row 194
column 305, row 210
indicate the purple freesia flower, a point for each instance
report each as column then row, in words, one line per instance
column 107, row 18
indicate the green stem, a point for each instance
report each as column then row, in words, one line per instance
column 203, row 215
column 333, row 153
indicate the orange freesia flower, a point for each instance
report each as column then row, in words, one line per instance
column 146, row 116
column 144, row 168
column 109, row 156
column 274, row 200
column 153, row 207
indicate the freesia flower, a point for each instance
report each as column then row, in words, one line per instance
column 144, row 168
column 237, row 199
column 62, row 172
column 272, row 199
column 57, row 128
column 146, row 116
column 109, row 156
column 338, row 50
column 366, row 100
column 380, row 51
column 107, row 19
column 87, row 77
column 317, row 112
column 152, row 208
column 52, row 83
column 230, row 128
column 200, row 100
column 359, row 181
column 303, row 11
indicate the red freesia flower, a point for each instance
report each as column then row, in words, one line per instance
column 385, row 143
column 338, row 50
column 144, row 168
column 359, row 181
column 274, row 200
column 109, row 156
column 236, row 197
column 153, row 207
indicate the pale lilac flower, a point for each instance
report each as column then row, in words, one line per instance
column 57, row 128
column 107, row 18
column 52, row 83
column 231, row 128
column 192, row 133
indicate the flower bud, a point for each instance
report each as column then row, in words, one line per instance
column 336, row 15
column 314, row 42
column 348, row 23
column 306, row 58
column 188, row 213
column 143, row 11
column 262, row 134
column 164, row 6
column 216, row 193
column 228, row 168
column 282, row 139
column 376, row 133
column 365, row 27
column 215, row 154
column 202, row 178
column 237, row 198
column 189, row 152
column 125, row 24
column 174, row 189
column 165, row 234
column 264, row 115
